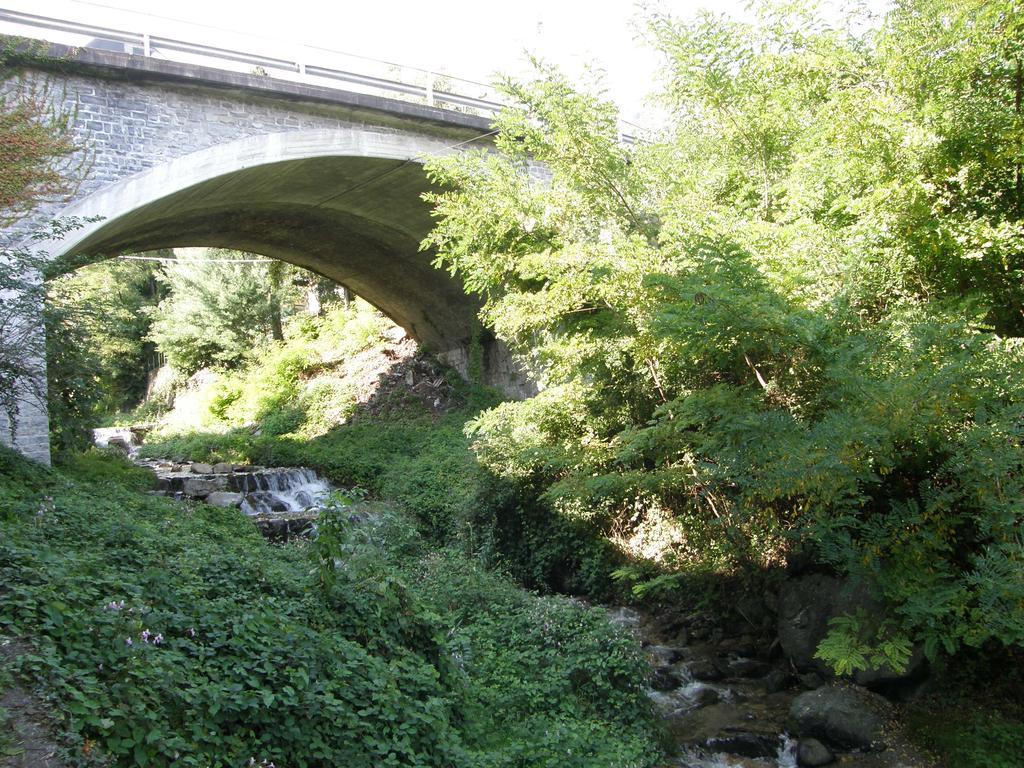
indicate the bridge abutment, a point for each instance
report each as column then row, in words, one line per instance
column 29, row 432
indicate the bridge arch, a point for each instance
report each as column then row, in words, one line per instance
column 345, row 203
column 328, row 179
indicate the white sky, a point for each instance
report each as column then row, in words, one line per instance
column 472, row 39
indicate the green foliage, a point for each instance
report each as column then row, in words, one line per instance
column 220, row 309
column 383, row 653
column 297, row 406
column 846, row 649
column 97, row 356
column 786, row 323
column 972, row 716
column 345, row 331
column 266, row 393
column 38, row 152
column 981, row 740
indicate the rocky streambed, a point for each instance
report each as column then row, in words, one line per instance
column 736, row 700
column 283, row 502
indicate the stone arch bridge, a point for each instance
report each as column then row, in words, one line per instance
column 185, row 155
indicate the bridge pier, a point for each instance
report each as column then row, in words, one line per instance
column 29, row 434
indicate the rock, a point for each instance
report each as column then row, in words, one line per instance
column 120, row 444
column 811, row 680
column 811, row 752
column 845, row 717
column 746, row 744
column 262, row 502
column 202, row 469
column 706, row 696
column 662, row 655
column 775, row 681
column 193, row 486
column 224, row 499
column 739, row 666
column 807, row 604
column 723, row 720
column 664, row 679
column 705, row 669
column 223, row 468
column 280, row 529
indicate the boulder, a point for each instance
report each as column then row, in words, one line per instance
column 662, row 655
column 746, row 744
column 740, row 666
column 705, row 696
column 757, row 726
column 120, row 444
column 812, row 753
column 223, row 468
column 202, row 469
column 705, row 670
column 280, row 529
column 842, row 716
column 776, row 680
column 224, row 499
column 807, row 604
column 200, row 487
column 193, row 486
column 664, row 679
column 811, row 680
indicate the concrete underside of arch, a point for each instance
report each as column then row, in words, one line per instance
column 346, row 204
column 355, row 220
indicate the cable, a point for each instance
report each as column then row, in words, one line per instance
column 191, row 260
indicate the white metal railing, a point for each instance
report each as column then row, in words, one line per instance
column 310, row 64
column 318, row 66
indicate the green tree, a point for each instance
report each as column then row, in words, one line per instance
column 747, row 324
column 220, row 309
column 98, row 356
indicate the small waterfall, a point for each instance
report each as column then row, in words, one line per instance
column 125, row 439
column 270, row 491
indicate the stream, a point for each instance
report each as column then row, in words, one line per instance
column 283, row 502
column 726, row 694
column 723, row 701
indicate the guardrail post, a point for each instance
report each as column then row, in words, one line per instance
column 430, row 89
column 146, row 48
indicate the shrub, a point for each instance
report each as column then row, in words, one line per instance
column 172, row 633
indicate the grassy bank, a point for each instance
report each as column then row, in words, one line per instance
column 367, row 648
column 352, row 399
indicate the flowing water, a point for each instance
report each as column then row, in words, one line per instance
column 698, row 757
column 269, row 491
column 714, row 702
